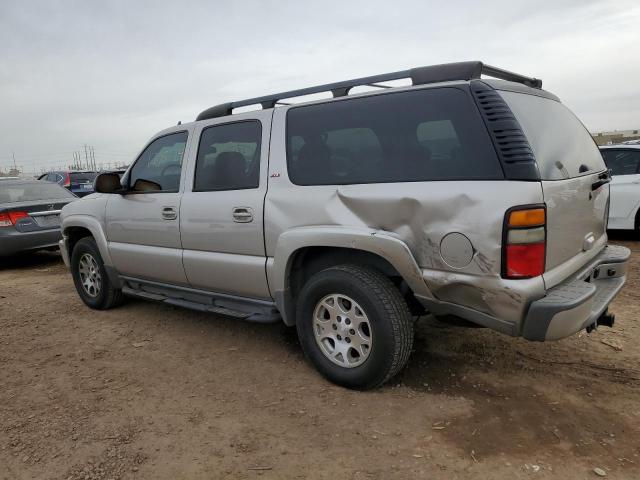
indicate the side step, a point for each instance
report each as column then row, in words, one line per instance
column 259, row 311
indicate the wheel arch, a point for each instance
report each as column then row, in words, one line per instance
column 303, row 251
column 76, row 227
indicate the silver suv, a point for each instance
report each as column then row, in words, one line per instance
column 482, row 199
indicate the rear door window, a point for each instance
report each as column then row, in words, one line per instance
column 622, row 162
column 415, row 136
column 561, row 144
column 229, row 157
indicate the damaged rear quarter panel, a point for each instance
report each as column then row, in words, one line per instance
column 418, row 213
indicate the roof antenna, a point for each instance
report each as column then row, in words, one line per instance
column 179, row 122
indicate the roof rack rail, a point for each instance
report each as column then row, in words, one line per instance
column 419, row 76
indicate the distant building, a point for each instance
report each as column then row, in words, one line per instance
column 615, row 136
column 12, row 172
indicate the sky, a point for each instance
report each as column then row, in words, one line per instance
column 110, row 74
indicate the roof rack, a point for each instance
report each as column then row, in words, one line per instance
column 419, row 76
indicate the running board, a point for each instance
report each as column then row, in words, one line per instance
column 261, row 311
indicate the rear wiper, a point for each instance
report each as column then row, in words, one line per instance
column 603, row 179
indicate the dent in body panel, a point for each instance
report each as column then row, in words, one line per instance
column 380, row 243
column 419, row 215
column 507, row 300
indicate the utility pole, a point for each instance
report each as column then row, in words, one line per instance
column 86, row 157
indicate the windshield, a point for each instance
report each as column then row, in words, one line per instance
column 561, row 144
column 27, row 192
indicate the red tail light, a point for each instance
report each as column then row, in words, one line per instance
column 8, row 219
column 67, row 180
column 524, row 246
column 525, row 261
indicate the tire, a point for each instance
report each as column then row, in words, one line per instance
column 369, row 310
column 103, row 295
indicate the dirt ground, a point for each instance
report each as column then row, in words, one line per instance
column 151, row 391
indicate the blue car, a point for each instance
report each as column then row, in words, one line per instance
column 79, row 183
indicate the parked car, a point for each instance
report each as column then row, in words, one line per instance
column 346, row 217
column 79, row 183
column 30, row 215
column 624, row 162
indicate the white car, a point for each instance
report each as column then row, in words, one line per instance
column 624, row 162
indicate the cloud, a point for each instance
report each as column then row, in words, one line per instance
column 112, row 73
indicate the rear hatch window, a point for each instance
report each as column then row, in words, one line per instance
column 562, row 145
column 569, row 163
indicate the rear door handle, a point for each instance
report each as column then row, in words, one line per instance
column 242, row 215
column 169, row 213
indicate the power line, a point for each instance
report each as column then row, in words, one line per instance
column 109, row 160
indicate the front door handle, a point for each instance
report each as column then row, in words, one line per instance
column 242, row 215
column 169, row 213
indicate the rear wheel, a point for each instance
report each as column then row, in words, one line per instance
column 90, row 277
column 354, row 326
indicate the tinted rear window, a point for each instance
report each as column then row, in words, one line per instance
column 561, row 144
column 87, row 177
column 414, row 136
column 27, row 192
column 229, row 157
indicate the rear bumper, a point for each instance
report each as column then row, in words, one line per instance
column 581, row 300
column 15, row 242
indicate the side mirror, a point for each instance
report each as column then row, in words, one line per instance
column 107, row 183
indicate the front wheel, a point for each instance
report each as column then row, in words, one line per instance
column 354, row 326
column 90, row 277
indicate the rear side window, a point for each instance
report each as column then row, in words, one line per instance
column 622, row 162
column 229, row 157
column 415, row 136
column 561, row 144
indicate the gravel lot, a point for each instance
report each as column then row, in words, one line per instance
column 151, row 391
